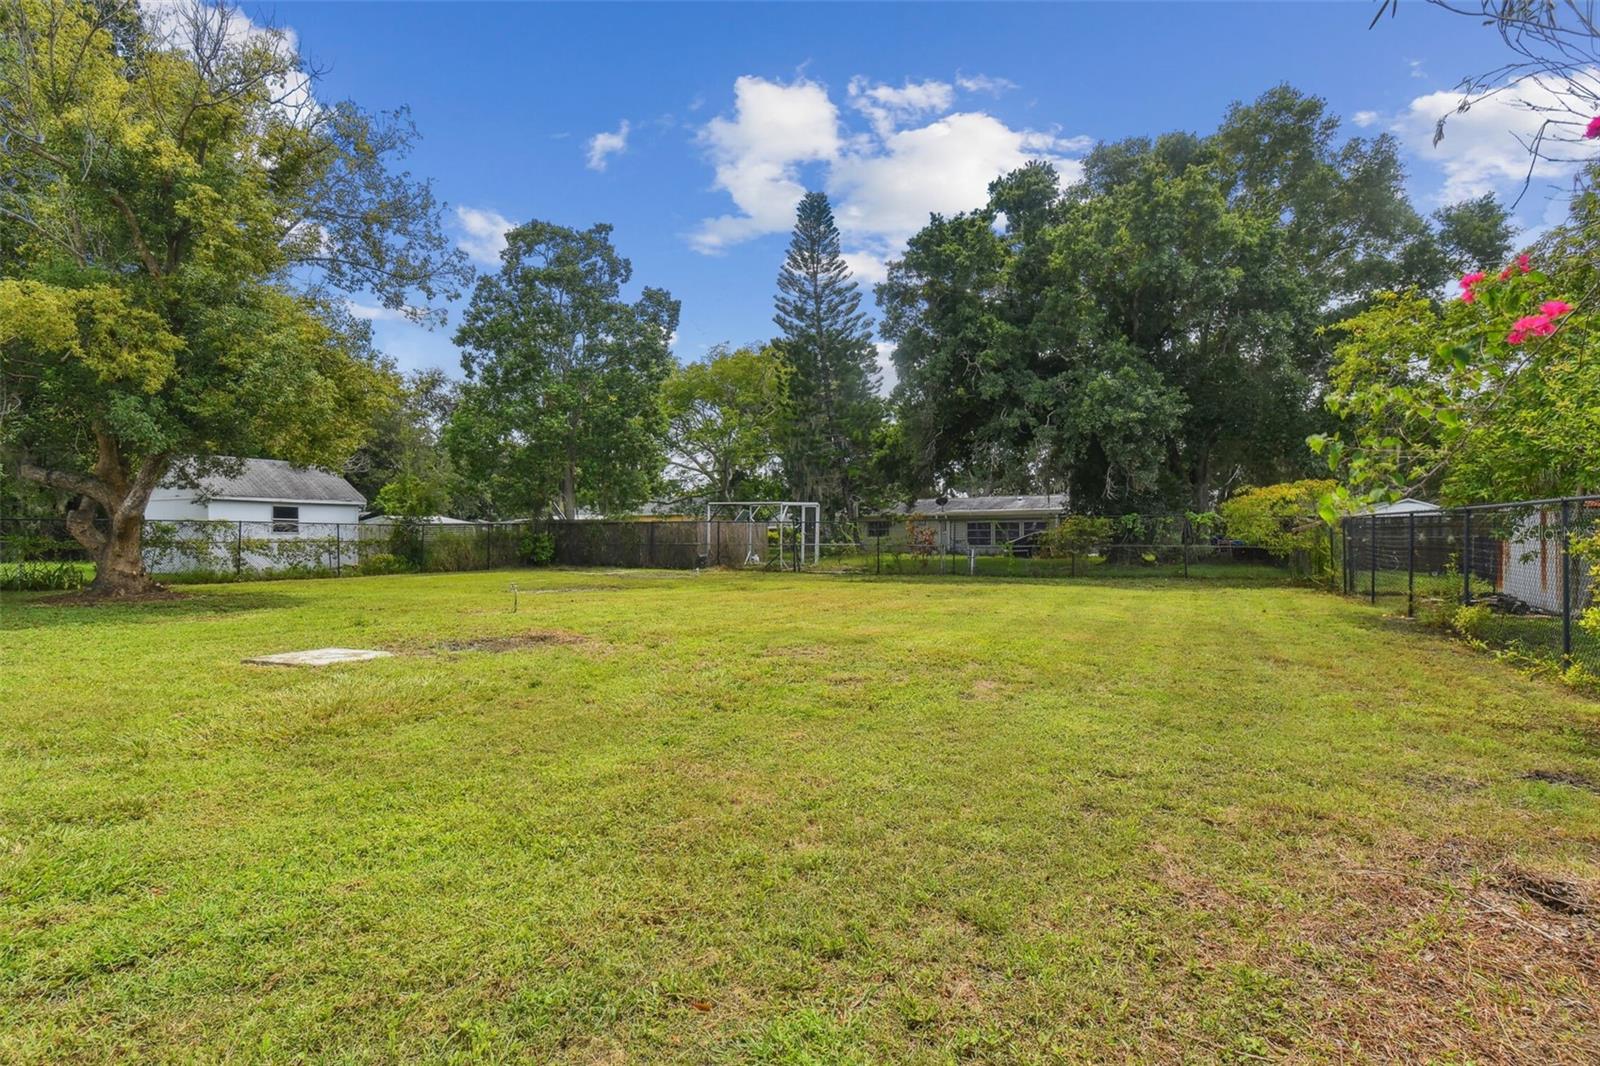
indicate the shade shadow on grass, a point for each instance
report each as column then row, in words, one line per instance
column 25, row 611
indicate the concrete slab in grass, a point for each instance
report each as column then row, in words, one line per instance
column 319, row 657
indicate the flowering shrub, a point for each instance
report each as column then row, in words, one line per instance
column 1488, row 396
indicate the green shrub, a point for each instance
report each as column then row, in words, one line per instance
column 384, row 563
column 453, row 551
column 1076, row 534
column 1286, row 520
column 539, row 549
column 1470, row 621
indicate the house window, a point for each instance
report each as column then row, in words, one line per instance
column 1007, row 532
column 286, row 519
column 978, row 534
column 1033, row 527
column 878, row 527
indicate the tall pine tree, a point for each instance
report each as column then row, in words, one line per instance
column 832, row 407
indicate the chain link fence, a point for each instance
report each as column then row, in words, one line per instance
column 1517, row 576
column 41, row 553
column 1106, row 548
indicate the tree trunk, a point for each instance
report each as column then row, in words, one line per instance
column 121, row 495
column 1201, row 486
column 119, row 564
column 569, row 491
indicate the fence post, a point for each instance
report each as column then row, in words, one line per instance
column 422, row 535
column 1374, row 554
column 880, row 555
column 338, row 549
column 1466, row 557
column 238, row 548
column 1185, row 536
column 1333, row 573
column 653, row 561
column 1411, row 564
column 1344, row 555
column 1566, row 582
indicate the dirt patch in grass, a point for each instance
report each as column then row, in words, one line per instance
column 1562, row 777
column 1554, row 894
column 1415, row 954
column 1419, row 957
column 516, row 642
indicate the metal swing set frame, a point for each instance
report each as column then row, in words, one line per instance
column 802, row 516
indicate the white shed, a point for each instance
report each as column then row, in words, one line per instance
column 286, row 499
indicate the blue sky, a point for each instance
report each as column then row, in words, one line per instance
column 895, row 110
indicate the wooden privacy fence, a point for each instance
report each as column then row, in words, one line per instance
column 667, row 545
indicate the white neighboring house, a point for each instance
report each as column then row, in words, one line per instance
column 271, row 516
column 288, row 498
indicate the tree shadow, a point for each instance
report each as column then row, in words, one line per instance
column 56, row 610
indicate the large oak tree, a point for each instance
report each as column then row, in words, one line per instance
column 178, row 218
column 1154, row 333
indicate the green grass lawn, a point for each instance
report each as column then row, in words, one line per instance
column 776, row 818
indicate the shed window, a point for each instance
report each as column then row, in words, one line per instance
column 285, row 519
column 1032, row 527
column 979, row 534
column 877, row 527
column 1007, row 532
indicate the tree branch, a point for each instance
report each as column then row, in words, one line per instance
column 91, row 487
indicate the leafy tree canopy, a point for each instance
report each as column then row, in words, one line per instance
column 1491, row 396
column 562, row 407
column 723, row 424
column 177, row 217
column 1152, row 334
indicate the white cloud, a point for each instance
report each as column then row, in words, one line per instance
column 375, row 312
column 757, row 153
column 483, row 234
column 1365, row 118
column 886, row 107
column 866, row 266
column 945, row 167
column 913, row 159
column 888, row 377
column 1485, row 149
column 604, row 145
column 983, row 83
column 194, row 27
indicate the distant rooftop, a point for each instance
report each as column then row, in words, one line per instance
column 985, row 505
column 274, row 479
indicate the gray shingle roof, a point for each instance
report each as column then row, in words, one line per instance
column 986, row 504
column 274, row 479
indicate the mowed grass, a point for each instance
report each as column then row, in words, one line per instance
column 783, row 818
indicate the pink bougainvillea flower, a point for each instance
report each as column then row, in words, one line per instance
column 1469, row 280
column 1555, row 308
column 1505, row 275
column 1594, row 128
column 1524, row 264
column 1469, row 297
column 1530, row 325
